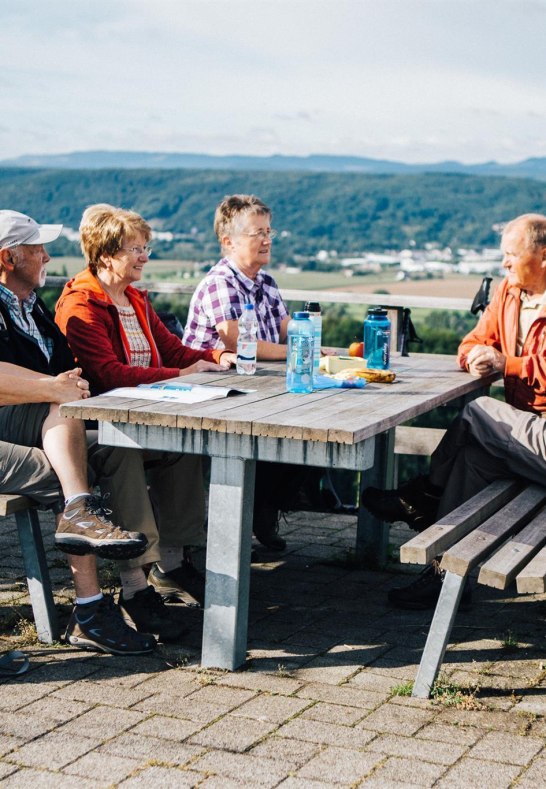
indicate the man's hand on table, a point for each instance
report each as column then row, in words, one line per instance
column 68, row 386
column 484, row 359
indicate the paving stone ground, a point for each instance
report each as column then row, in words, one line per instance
column 315, row 705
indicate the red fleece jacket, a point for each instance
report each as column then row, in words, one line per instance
column 90, row 321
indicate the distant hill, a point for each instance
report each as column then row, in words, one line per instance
column 529, row 168
column 346, row 212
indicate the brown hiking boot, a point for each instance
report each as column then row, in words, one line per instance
column 84, row 527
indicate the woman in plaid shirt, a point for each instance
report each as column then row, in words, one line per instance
column 242, row 224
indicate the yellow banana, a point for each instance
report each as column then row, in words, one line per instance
column 373, row 376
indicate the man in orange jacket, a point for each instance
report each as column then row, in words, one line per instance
column 491, row 439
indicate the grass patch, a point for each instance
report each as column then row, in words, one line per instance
column 25, row 633
column 509, row 642
column 405, row 689
column 108, row 574
column 282, row 671
column 451, row 694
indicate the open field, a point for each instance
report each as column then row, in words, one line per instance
column 455, row 285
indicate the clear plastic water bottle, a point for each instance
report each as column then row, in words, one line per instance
column 247, row 345
column 377, row 339
column 299, row 354
column 313, row 308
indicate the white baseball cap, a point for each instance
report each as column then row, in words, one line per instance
column 16, row 228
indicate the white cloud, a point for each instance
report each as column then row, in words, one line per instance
column 411, row 79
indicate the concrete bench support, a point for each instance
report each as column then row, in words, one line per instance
column 438, row 634
column 35, row 564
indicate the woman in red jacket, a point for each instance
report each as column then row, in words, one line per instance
column 119, row 340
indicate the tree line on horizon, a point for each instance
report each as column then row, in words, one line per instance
column 347, row 212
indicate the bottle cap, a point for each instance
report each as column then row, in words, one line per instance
column 312, row 306
column 249, row 306
column 300, row 316
column 377, row 311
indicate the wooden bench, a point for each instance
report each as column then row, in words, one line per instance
column 504, row 527
column 35, row 564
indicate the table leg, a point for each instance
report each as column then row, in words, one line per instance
column 372, row 535
column 229, row 537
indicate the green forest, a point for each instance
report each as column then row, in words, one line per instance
column 348, row 212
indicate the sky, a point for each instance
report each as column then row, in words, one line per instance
column 410, row 80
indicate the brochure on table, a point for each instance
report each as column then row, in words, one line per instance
column 180, row 393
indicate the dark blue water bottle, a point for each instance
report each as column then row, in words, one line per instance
column 377, row 339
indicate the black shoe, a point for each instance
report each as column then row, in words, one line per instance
column 184, row 583
column 150, row 615
column 424, row 592
column 415, row 503
column 266, row 529
column 100, row 626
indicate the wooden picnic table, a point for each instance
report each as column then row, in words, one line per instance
column 335, row 428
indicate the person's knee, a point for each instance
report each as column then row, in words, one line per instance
column 477, row 406
column 75, row 427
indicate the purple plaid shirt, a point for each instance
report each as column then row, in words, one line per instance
column 222, row 295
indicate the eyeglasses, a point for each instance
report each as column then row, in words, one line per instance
column 262, row 234
column 139, row 251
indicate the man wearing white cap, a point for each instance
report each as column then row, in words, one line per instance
column 40, row 452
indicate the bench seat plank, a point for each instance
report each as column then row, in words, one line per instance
column 502, row 568
column 12, row 503
column 532, row 579
column 431, row 542
column 473, row 548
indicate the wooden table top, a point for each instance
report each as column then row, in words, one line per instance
column 424, row 381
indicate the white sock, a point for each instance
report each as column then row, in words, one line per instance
column 171, row 557
column 70, row 499
column 133, row 580
column 84, row 600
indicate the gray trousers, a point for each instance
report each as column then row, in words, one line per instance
column 24, row 467
column 160, row 494
column 490, row 440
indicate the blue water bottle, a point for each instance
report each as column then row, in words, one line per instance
column 313, row 308
column 377, row 339
column 299, row 354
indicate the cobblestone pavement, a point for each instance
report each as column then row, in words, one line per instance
column 316, row 705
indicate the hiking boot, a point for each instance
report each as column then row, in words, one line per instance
column 150, row 615
column 84, row 527
column 424, row 592
column 101, row 627
column 266, row 528
column 415, row 503
column 184, row 583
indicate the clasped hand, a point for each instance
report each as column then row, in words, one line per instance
column 484, row 360
column 69, row 386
